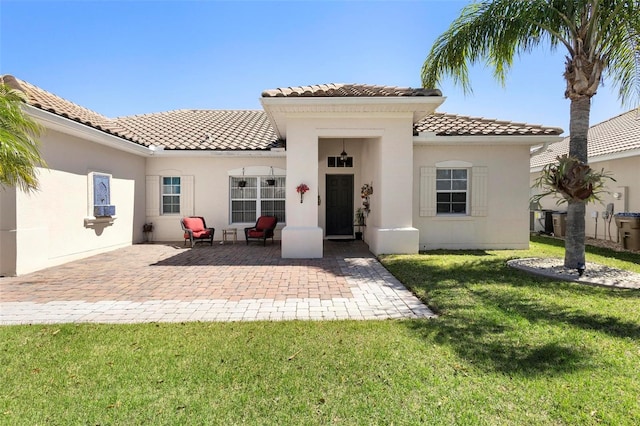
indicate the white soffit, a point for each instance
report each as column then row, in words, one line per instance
column 528, row 140
column 279, row 109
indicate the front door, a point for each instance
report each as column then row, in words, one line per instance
column 339, row 205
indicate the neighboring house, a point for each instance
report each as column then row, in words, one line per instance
column 613, row 145
column 439, row 180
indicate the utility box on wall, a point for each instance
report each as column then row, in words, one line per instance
column 559, row 224
column 629, row 230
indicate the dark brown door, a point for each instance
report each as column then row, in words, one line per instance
column 339, row 206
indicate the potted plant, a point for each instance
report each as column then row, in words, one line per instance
column 359, row 222
column 365, row 192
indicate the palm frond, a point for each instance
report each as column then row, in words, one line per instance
column 604, row 32
column 19, row 146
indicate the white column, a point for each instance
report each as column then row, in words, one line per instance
column 394, row 231
column 302, row 237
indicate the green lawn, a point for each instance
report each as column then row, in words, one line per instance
column 508, row 348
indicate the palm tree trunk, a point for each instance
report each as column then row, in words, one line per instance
column 574, row 240
column 579, row 127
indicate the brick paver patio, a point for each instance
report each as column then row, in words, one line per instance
column 231, row 282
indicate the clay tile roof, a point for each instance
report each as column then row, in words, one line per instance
column 615, row 135
column 443, row 124
column 230, row 130
column 46, row 101
column 203, row 130
column 178, row 130
column 348, row 90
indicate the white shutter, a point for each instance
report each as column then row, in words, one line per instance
column 153, row 196
column 479, row 191
column 186, row 195
column 427, row 191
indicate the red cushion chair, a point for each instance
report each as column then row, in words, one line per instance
column 195, row 229
column 262, row 230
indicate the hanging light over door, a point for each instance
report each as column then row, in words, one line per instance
column 343, row 154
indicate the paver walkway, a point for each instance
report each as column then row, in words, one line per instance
column 231, row 282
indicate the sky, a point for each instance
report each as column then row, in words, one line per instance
column 126, row 57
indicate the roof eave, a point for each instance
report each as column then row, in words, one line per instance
column 219, row 153
column 526, row 140
column 600, row 158
column 278, row 108
column 74, row 128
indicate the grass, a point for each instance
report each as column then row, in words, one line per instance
column 509, row 348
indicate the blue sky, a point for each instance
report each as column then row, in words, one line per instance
column 135, row 57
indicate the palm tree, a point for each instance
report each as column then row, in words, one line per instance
column 19, row 147
column 601, row 38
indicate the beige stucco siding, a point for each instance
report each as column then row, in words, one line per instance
column 503, row 223
column 50, row 226
column 626, row 172
column 210, row 190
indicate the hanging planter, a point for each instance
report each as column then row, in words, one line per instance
column 271, row 181
column 242, row 183
column 301, row 189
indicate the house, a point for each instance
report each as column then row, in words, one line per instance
column 439, row 180
column 613, row 145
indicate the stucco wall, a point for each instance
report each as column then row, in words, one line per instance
column 381, row 144
column 626, row 172
column 7, row 231
column 505, row 225
column 50, row 225
column 210, row 191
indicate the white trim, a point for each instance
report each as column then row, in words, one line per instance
column 336, row 133
column 213, row 153
column 253, row 171
column 466, row 191
column 454, row 164
column 485, row 140
column 615, row 156
column 92, row 221
column 280, row 109
column 84, row 131
column 599, row 158
column 180, row 185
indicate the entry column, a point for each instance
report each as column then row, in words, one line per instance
column 302, row 237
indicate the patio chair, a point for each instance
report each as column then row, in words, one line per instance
column 263, row 229
column 195, row 230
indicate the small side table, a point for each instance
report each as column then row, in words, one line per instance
column 227, row 233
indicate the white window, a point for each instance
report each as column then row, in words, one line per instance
column 451, row 191
column 255, row 196
column 454, row 188
column 171, row 195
